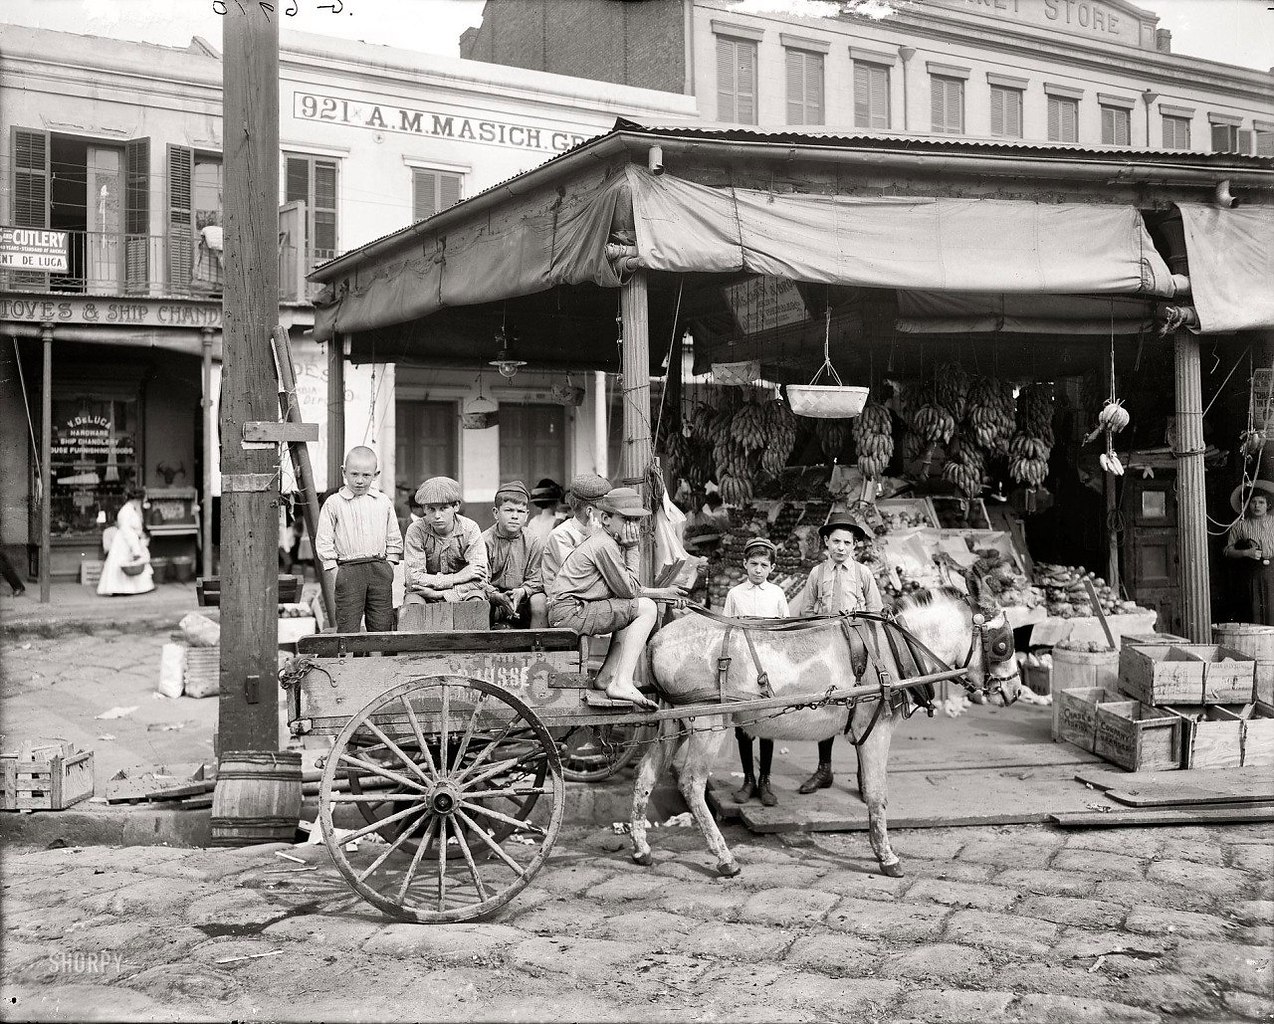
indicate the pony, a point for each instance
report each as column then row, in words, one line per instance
column 808, row 659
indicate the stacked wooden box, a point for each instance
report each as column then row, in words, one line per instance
column 45, row 776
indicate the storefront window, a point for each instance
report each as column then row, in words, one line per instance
column 94, row 460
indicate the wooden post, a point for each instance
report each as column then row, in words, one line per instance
column 1192, row 524
column 249, row 702
column 634, row 455
column 46, row 470
column 300, row 453
column 336, row 413
column 207, row 568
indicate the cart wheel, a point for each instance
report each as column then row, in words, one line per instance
column 591, row 753
column 470, row 762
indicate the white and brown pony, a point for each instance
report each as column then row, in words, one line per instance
column 809, row 659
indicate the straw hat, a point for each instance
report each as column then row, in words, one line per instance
column 1236, row 495
column 623, row 501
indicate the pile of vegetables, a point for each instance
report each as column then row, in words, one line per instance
column 1067, row 597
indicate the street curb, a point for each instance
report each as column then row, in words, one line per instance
column 591, row 804
column 51, row 629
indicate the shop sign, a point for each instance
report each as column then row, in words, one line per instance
column 34, row 249
column 436, row 123
column 1111, row 22
column 763, row 303
column 137, row 313
column 87, row 437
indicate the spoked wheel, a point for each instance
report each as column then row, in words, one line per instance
column 476, row 803
column 591, row 753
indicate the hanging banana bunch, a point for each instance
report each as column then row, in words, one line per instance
column 747, row 427
column 934, row 424
column 989, row 413
column 832, row 435
column 951, row 389
column 965, row 465
column 873, row 440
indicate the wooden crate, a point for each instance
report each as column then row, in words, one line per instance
column 1075, row 714
column 444, row 616
column 1138, row 737
column 203, row 671
column 1186, row 674
column 90, row 572
column 1211, row 735
column 46, row 784
column 1258, row 735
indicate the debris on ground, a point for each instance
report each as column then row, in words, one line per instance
column 116, row 712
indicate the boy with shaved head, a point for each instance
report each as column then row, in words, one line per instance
column 357, row 543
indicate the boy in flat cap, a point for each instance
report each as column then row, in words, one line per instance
column 597, row 591
column 446, row 557
column 585, row 492
column 838, row 585
column 756, row 597
column 513, row 557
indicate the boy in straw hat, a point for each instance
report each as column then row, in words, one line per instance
column 597, row 591
column 446, row 557
column 756, row 597
column 585, row 492
column 513, row 556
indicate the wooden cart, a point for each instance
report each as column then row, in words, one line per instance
column 451, row 746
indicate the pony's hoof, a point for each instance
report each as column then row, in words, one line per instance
column 729, row 869
column 893, row 870
column 644, row 859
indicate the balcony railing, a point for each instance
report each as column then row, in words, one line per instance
column 157, row 266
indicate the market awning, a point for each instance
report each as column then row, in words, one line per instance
column 1231, row 253
column 978, row 313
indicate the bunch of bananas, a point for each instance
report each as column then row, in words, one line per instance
column 748, row 426
column 934, row 423
column 735, row 490
column 1028, row 459
column 780, row 437
column 951, row 389
column 989, row 412
column 1035, row 412
column 965, row 465
column 832, row 435
column 874, row 440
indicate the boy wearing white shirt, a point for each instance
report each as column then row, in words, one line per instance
column 756, row 598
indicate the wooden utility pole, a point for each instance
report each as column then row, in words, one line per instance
column 336, row 415
column 209, row 453
column 1192, row 522
column 248, row 715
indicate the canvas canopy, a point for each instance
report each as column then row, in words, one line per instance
column 1231, row 253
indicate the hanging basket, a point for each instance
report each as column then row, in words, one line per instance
column 826, row 401
column 737, row 374
column 480, row 414
column 568, row 394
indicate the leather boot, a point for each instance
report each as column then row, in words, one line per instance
column 821, row 779
column 746, row 791
column 763, row 790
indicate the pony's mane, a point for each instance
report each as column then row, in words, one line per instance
column 926, row 598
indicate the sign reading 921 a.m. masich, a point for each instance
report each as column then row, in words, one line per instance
column 36, row 249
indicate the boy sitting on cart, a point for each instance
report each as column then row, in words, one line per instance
column 597, row 591
column 446, row 557
column 513, row 556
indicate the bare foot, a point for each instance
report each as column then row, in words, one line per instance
column 627, row 691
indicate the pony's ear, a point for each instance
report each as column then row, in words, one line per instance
column 980, row 592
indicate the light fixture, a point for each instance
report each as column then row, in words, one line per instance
column 504, row 360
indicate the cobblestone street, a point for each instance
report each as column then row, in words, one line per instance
column 1020, row 923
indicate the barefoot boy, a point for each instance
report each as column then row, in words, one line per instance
column 357, row 543
column 446, row 557
column 756, row 597
column 513, row 556
column 597, row 591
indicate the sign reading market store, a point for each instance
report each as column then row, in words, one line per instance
column 35, row 249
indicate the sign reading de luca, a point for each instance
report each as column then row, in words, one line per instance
column 33, row 249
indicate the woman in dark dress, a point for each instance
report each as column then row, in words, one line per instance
column 1251, row 546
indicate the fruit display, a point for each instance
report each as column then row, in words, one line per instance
column 1032, row 444
column 989, row 414
column 1066, row 596
column 874, row 440
column 902, row 520
column 965, row 465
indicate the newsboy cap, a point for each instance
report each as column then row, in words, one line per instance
column 590, row 487
column 439, row 490
column 514, row 490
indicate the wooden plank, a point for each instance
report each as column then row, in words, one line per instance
column 274, row 432
column 1239, row 782
column 329, row 645
column 1185, row 796
column 1163, row 816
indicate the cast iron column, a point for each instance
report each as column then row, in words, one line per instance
column 1192, row 523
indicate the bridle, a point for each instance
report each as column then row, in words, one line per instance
column 997, row 648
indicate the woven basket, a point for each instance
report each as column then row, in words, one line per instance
column 134, row 568
column 479, row 420
column 737, row 374
column 826, row 401
column 568, row 394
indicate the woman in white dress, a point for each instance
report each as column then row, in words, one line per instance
column 128, row 547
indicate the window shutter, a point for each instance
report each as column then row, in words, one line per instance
column 880, row 97
column 814, row 88
column 937, row 106
column 181, row 217
column 1107, row 126
column 424, row 194
column 1054, row 121
column 725, row 80
column 324, row 209
column 862, row 97
column 448, row 191
column 746, row 82
column 1125, row 128
column 998, row 97
column 795, row 68
column 297, row 181
column 1265, row 143
column 955, row 106
column 1245, row 141
column 1013, row 103
column 1220, row 138
column 30, row 192
column 137, row 215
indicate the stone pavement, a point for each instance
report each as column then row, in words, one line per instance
column 1018, row 923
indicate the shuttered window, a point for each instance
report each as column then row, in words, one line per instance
column 432, row 192
column 946, row 100
column 871, row 95
column 804, row 87
column 137, row 216
column 181, row 217
column 1063, row 119
column 1176, row 132
column 1116, row 126
column 1264, row 143
column 313, row 181
column 30, row 192
column 1226, row 138
column 736, row 80
column 1006, row 112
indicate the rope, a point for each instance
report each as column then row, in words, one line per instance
column 672, row 342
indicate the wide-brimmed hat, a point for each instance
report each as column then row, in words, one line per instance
column 514, row 490
column 623, row 501
column 546, row 493
column 590, row 487
column 761, row 544
column 1237, row 500
column 439, row 490
column 842, row 523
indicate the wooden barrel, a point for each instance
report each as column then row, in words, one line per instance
column 1086, row 669
column 257, row 799
column 1257, row 641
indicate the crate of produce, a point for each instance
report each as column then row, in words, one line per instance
column 1186, row 674
column 46, row 779
column 1211, row 735
column 1138, row 737
column 1075, row 714
column 1152, row 639
column 1258, row 735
